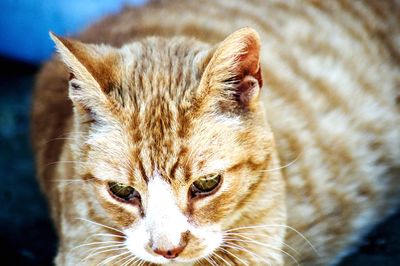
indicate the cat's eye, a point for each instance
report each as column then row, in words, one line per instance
column 205, row 185
column 123, row 192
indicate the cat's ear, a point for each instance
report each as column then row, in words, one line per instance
column 91, row 71
column 234, row 67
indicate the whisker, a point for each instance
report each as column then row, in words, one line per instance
column 238, row 247
column 141, row 263
column 212, row 259
column 134, row 260
column 112, row 258
column 222, row 259
column 55, row 139
column 198, row 262
column 60, row 137
column 102, row 225
column 111, row 235
column 264, row 245
column 96, row 243
column 71, row 133
column 263, row 235
column 91, row 250
column 131, row 259
column 284, row 166
column 124, row 259
column 233, row 255
column 276, row 225
column 103, row 251
column 209, row 261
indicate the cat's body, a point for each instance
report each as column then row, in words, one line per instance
column 331, row 91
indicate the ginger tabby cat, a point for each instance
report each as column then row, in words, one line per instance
column 222, row 132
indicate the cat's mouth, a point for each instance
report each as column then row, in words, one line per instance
column 183, row 255
column 180, row 260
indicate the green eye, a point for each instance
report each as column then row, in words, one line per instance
column 206, row 184
column 123, row 192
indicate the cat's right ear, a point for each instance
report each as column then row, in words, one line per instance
column 232, row 69
column 91, row 72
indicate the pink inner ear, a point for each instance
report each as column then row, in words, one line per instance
column 249, row 62
column 71, row 76
column 248, row 90
column 249, row 73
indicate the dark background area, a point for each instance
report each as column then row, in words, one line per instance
column 27, row 235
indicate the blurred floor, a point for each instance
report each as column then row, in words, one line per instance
column 26, row 233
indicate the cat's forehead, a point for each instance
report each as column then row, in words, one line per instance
column 160, row 66
column 159, row 77
column 157, row 90
column 159, row 80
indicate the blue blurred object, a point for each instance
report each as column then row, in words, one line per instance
column 24, row 24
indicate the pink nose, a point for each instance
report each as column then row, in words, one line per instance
column 171, row 253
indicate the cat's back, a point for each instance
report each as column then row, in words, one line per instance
column 332, row 74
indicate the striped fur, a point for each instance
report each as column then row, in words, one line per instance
column 145, row 102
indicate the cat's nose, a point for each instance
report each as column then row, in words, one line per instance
column 170, row 253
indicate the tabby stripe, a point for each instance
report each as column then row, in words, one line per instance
column 380, row 9
column 314, row 47
column 254, row 15
column 314, row 84
column 349, row 24
column 142, row 169
column 358, row 12
column 308, row 115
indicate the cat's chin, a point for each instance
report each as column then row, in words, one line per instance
column 179, row 263
column 175, row 262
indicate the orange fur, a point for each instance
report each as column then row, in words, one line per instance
column 302, row 121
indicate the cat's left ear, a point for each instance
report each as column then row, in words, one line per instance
column 234, row 67
column 92, row 73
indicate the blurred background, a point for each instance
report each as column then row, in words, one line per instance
column 27, row 235
column 24, row 24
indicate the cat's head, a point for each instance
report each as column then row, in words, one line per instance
column 174, row 140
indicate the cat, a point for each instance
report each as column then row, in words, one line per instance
column 221, row 132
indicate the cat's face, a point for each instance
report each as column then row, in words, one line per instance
column 173, row 136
